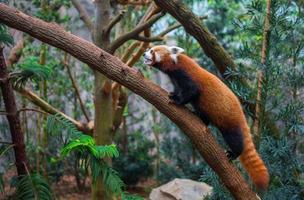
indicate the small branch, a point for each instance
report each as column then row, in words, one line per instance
column 138, row 54
column 149, row 39
column 9, row 143
column 74, row 84
column 46, row 107
column 32, row 110
column 4, row 113
column 129, row 51
column 84, row 16
column 132, row 34
column 169, row 29
column 114, row 21
column 134, row 2
column 175, row 26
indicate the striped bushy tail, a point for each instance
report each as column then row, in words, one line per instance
column 253, row 162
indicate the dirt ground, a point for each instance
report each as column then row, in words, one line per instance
column 66, row 188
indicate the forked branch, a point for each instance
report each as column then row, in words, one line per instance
column 84, row 16
column 114, row 21
column 134, row 33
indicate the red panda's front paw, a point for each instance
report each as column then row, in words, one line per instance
column 174, row 98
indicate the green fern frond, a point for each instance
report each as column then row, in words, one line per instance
column 87, row 150
column 5, row 37
column 86, row 143
column 4, row 149
column 56, row 124
column 30, row 70
column 82, row 144
column 112, row 180
column 32, row 186
column 107, row 151
column 126, row 196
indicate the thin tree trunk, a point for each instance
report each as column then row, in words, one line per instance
column 260, row 99
column 43, row 134
column 12, row 117
column 103, row 120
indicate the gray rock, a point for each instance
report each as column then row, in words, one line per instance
column 181, row 189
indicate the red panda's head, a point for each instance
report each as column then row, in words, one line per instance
column 162, row 54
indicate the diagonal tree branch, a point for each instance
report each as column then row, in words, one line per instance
column 129, row 51
column 134, row 33
column 148, row 39
column 84, row 16
column 116, row 70
column 46, row 107
column 114, row 21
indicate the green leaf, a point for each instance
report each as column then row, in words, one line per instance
column 32, row 186
column 31, row 70
column 5, row 37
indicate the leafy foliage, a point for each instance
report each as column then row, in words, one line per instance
column 92, row 155
column 5, row 37
column 31, row 70
column 180, row 159
column 32, row 186
column 126, row 196
column 138, row 158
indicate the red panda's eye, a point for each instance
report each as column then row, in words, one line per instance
column 151, row 51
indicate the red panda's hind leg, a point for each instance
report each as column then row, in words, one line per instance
column 234, row 139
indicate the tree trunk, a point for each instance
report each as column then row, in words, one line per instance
column 131, row 78
column 103, row 120
column 12, row 117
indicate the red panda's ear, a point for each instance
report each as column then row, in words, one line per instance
column 176, row 50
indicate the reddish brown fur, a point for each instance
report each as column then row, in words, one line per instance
column 223, row 108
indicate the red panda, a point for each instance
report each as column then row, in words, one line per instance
column 213, row 102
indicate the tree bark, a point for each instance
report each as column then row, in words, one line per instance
column 12, row 117
column 84, row 16
column 260, row 98
column 131, row 78
column 32, row 97
column 103, row 120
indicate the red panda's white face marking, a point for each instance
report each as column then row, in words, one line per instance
column 159, row 53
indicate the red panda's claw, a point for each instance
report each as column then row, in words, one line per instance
column 173, row 98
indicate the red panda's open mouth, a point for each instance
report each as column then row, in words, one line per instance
column 148, row 61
